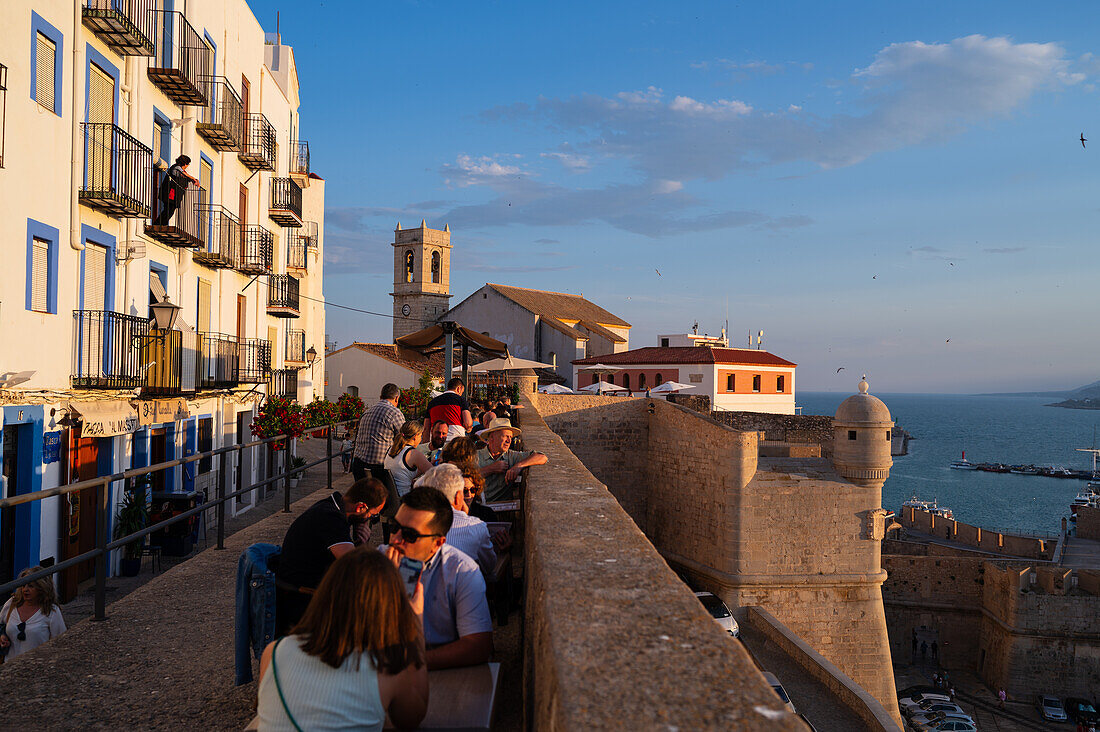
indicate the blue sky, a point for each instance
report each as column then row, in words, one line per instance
column 895, row 189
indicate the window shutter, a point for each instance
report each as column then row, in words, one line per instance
column 40, row 274
column 95, row 278
column 206, row 178
column 156, row 287
column 45, row 58
column 101, row 99
column 203, row 324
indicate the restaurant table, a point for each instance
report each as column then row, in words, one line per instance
column 460, row 699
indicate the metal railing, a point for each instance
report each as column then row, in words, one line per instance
column 254, row 362
column 127, row 26
column 284, row 204
column 284, row 383
column 296, row 253
column 178, row 222
column 106, row 350
column 256, row 248
column 116, row 171
column 282, row 296
column 170, row 361
column 299, row 157
column 259, row 147
column 219, row 359
column 308, row 235
column 181, row 65
column 222, row 123
column 223, row 238
column 295, row 346
column 228, row 489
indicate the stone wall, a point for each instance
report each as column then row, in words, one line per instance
column 1027, row 547
column 786, row 427
column 614, row 639
column 1088, row 522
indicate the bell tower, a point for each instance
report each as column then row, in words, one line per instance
column 421, row 277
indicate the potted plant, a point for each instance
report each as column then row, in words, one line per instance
column 349, row 408
column 296, row 470
column 131, row 517
column 320, row 413
column 279, row 416
column 413, row 401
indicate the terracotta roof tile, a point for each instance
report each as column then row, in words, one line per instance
column 405, row 357
column 688, row 354
column 559, row 305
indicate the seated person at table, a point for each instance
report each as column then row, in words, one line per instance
column 436, row 439
column 500, row 465
column 357, row 654
column 457, row 625
column 467, row 534
column 316, row 539
column 474, row 486
column 459, row 450
column 404, row 462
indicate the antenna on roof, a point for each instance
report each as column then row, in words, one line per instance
column 695, row 328
column 759, row 338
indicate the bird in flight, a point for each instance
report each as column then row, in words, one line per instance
column 948, row 340
column 840, row 369
column 1083, row 139
column 657, row 271
column 874, row 277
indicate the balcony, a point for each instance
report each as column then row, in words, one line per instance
column 297, row 254
column 116, row 172
column 295, row 347
column 222, row 122
column 307, row 234
column 219, row 359
column 254, row 360
column 106, row 350
column 299, row 158
column 282, row 296
column 223, row 238
column 182, row 225
column 258, row 145
column 283, row 383
column 181, row 65
column 284, row 204
column 124, row 25
column 256, row 250
column 171, row 359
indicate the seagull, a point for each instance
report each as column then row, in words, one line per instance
column 840, row 369
column 657, row 271
column 874, row 277
column 948, row 340
column 1083, row 139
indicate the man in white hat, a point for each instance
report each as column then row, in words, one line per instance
column 500, row 465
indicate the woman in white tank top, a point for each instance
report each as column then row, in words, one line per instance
column 405, row 462
column 338, row 670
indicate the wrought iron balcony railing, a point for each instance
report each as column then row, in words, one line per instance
column 295, row 346
column 223, row 238
column 256, row 250
column 222, row 120
column 254, row 360
column 180, row 221
column 258, row 144
column 307, row 234
column 299, row 158
column 124, row 25
column 107, row 350
column 219, row 361
column 181, row 65
column 283, row 383
column 117, row 167
column 284, row 204
column 171, row 360
column 282, row 296
column 297, row 254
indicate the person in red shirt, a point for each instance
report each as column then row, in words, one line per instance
column 452, row 408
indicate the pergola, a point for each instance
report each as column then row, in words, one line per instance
column 444, row 337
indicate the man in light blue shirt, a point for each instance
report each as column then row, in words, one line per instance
column 458, row 629
column 468, row 534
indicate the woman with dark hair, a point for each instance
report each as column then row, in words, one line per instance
column 172, row 188
column 31, row 617
column 459, row 450
column 475, row 486
column 356, row 655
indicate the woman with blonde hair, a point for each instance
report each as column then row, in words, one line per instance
column 31, row 617
column 404, row 462
column 356, row 655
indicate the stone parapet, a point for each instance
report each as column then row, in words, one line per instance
column 994, row 542
column 1088, row 522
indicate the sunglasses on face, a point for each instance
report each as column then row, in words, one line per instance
column 407, row 535
column 22, row 628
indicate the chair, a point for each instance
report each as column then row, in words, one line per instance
column 154, row 552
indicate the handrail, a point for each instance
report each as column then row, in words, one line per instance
column 100, row 483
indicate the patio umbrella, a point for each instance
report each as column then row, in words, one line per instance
column 555, row 389
column 670, row 387
column 448, row 334
column 602, row 387
column 599, row 368
column 508, row 364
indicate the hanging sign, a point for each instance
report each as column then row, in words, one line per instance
column 106, row 419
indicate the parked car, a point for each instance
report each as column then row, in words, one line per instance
column 719, row 612
column 935, row 717
column 929, row 706
column 920, row 689
column 780, row 691
column 913, row 700
column 947, row 725
column 1050, row 707
column 1081, row 710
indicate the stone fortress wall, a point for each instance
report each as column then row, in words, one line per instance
column 993, row 542
column 789, row 535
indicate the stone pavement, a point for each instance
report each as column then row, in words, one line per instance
column 1081, row 553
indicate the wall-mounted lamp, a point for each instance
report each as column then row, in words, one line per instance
column 164, row 315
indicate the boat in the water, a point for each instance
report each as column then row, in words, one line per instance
column 1024, row 470
column 963, row 464
column 932, row 507
column 1090, row 494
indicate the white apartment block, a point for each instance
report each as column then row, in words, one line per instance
column 99, row 98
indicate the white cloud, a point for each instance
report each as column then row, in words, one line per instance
column 570, row 161
column 468, row 170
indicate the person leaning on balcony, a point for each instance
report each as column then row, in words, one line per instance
column 357, row 654
column 457, row 625
column 316, row 539
column 404, row 461
column 499, row 464
column 172, row 189
column 30, row 618
column 378, row 428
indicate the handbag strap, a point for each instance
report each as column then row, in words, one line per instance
column 278, row 686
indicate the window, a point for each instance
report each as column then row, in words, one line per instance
column 611, row 378
column 162, row 138
column 851, row 434
column 409, row 261
column 41, row 280
column 47, row 52
column 353, row 391
column 626, row 380
column 206, row 443
column 664, row 343
column 731, row 383
column 779, row 385
column 756, row 383
column 203, row 307
column 887, row 435
column 553, row 359
column 641, row 382
column 658, row 381
column 435, row 267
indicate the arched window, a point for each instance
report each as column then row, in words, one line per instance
column 553, row 359
column 409, row 259
column 626, row 380
column 435, row 267
column 659, row 379
column 641, row 382
column 353, row 391
column 731, row 383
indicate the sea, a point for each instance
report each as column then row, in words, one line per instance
column 994, row 429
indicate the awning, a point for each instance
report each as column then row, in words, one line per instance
column 106, row 418
column 432, row 339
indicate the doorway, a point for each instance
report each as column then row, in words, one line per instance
column 77, row 530
column 244, row 500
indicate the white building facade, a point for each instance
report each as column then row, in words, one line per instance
column 101, row 96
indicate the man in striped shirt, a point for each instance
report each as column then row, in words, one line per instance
column 377, row 429
column 467, row 534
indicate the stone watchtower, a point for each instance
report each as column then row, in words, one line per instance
column 861, row 439
column 421, row 277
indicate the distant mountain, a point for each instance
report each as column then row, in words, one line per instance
column 1088, row 391
column 1083, row 397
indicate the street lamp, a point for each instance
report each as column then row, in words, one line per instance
column 311, row 357
column 163, row 315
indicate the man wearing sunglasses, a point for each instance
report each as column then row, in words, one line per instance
column 458, row 629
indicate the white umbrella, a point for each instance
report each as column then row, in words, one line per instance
column 599, row 368
column 555, row 389
column 601, row 387
column 670, row 387
column 507, row 364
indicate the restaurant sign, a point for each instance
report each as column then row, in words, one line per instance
column 106, row 419
column 155, row 411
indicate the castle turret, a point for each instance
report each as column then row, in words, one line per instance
column 861, row 439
